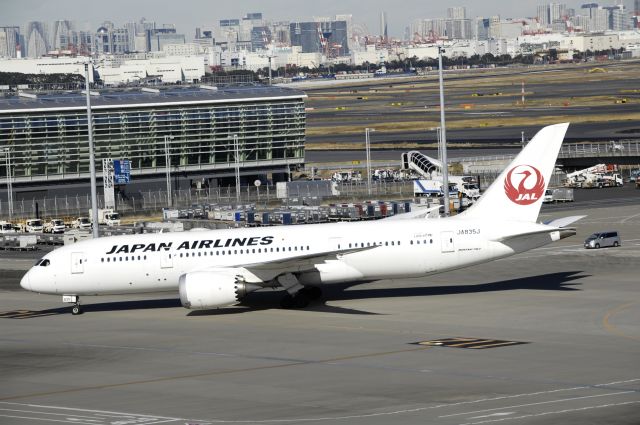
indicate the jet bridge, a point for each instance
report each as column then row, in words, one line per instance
column 422, row 164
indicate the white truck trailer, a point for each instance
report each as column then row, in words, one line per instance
column 107, row 217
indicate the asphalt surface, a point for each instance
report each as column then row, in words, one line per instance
column 567, row 318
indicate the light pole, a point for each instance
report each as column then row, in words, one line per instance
column 443, row 137
column 92, row 161
column 167, row 158
column 7, row 153
column 237, row 165
column 367, row 147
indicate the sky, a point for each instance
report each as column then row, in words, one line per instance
column 188, row 14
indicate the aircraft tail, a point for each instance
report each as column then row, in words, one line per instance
column 516, row 195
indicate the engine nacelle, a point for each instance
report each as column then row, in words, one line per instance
column 212, row 289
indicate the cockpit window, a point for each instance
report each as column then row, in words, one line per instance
column 44, row 263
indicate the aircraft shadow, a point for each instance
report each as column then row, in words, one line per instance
column 256, row 301
column 562, row 281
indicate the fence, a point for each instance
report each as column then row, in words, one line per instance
column 152, row 202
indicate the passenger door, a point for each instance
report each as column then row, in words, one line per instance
column 447, row 242
column 166, row 259
column 77, row 258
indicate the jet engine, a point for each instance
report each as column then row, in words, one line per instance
column 213, row 289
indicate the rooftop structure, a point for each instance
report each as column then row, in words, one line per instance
column 47, row 134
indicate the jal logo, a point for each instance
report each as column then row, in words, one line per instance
column 524, row 184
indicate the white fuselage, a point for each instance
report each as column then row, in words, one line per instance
column 361, row 251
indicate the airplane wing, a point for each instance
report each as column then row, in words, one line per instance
column 268, row 270
column 418, row 212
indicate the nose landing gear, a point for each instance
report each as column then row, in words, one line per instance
column 76, row 309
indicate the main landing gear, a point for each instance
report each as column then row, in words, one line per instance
column 301, row 298
column 298, row 295
column 75, row 300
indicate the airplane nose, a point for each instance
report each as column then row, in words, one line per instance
column 25, row 282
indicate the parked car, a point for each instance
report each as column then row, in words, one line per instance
column 602, row 240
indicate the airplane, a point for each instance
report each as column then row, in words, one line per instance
column 217, row 268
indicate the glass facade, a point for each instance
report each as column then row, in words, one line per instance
column 53, row 145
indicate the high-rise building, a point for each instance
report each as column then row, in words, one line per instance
column 458, row 29
column 36, row 39
column 384, row 30
column 550, row 13
column 543, row 15
column 62, row 38
column 9, row 41
column 328, row 37
column 260, row 38
column 557, row 11
column 110, row 40
column 482, row 28
column 457, row 13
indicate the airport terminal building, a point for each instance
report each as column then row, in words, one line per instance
column 199, row 126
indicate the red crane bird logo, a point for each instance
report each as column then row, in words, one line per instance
column 524, row 194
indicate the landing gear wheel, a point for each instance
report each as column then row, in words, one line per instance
column 76, row 309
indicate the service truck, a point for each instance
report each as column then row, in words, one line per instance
column 458, row 185
column 107, row 217
column 6, row 227
column 558, row 194
column 54, row 226
column 82, row 223
column 32, row 225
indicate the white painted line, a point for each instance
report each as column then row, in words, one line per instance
column 45, row 419
column 558, row 412
column 493, row 415
column 130, row 415
column 80, row 417
column 539, row 403
column 328, row 418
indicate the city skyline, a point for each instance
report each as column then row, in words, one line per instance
column 120, row 11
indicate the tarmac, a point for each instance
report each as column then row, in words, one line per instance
column 548, row 336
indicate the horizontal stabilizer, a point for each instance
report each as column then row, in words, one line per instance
column 564, row 221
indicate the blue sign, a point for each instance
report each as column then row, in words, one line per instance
column 121, row 171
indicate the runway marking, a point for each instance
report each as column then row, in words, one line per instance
column 629, row 218
column 539, row 403
column 99, row 417
column 558, row 412
column 335, row 418
column 45, row 419
column 611, row 328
